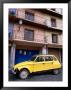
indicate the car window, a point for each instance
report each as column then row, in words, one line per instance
column 48, row 58
column 55, row 58
column 39, row 59
column 33, row 58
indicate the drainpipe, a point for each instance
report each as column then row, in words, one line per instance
column 12, row 55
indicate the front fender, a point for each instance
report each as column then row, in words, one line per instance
column 26, row 67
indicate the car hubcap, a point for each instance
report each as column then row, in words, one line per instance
column 24, row 74
column 56, row 71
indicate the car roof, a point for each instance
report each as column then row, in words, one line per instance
column 44, row 55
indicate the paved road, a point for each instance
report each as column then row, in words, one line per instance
column 48, row 76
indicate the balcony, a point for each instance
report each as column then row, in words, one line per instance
column 37, row 21
column 45, row 39
column 55, row 11
column 50, row 12
column 20, row 40
column 41, row 20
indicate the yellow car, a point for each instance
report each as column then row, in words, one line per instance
column 36, row 64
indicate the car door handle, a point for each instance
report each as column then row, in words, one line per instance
column 43, row 63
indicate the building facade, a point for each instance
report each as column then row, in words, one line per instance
column 34, row 31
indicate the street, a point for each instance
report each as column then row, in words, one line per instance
column 47, row 76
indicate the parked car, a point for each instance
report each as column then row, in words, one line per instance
column 36, row 64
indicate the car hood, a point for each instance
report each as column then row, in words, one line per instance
column 22, row 63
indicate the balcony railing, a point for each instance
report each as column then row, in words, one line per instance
column 44, row 21
column 36, row 19
column 55, row 11
column 20, row 37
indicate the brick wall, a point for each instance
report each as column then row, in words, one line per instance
column 19, row 33
column 40, row 17
column 38, row 34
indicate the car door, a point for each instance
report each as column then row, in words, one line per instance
column 39, row 64
column 48, row 62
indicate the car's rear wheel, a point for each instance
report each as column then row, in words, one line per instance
column 56, row 71
column 24, row 74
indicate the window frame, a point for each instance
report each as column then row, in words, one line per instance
column 53, row 20
column 26, row 29
column 53, row 41
column 38, row 57
column 48, row 60
column 55, row 58
column 27, row 14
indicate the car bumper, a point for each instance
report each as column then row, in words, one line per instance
column 13, row 71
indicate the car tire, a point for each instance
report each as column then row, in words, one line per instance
column 24, row 74
column 55, row 72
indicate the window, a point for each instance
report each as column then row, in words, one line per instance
column 53, row 22
column 55, row 58
column 48, row 58
column 33, row 58
column 54, row 38
column 29, row 16
column 12, row 12
column 40, row 59
column 28, row 34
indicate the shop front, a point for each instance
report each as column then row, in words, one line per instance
column 23, row 51
column 24, row 55
column 57, row 52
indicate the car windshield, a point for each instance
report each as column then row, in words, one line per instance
column 33, row 58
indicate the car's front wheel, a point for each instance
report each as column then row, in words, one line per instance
column 55, row 71
column 24, row 74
